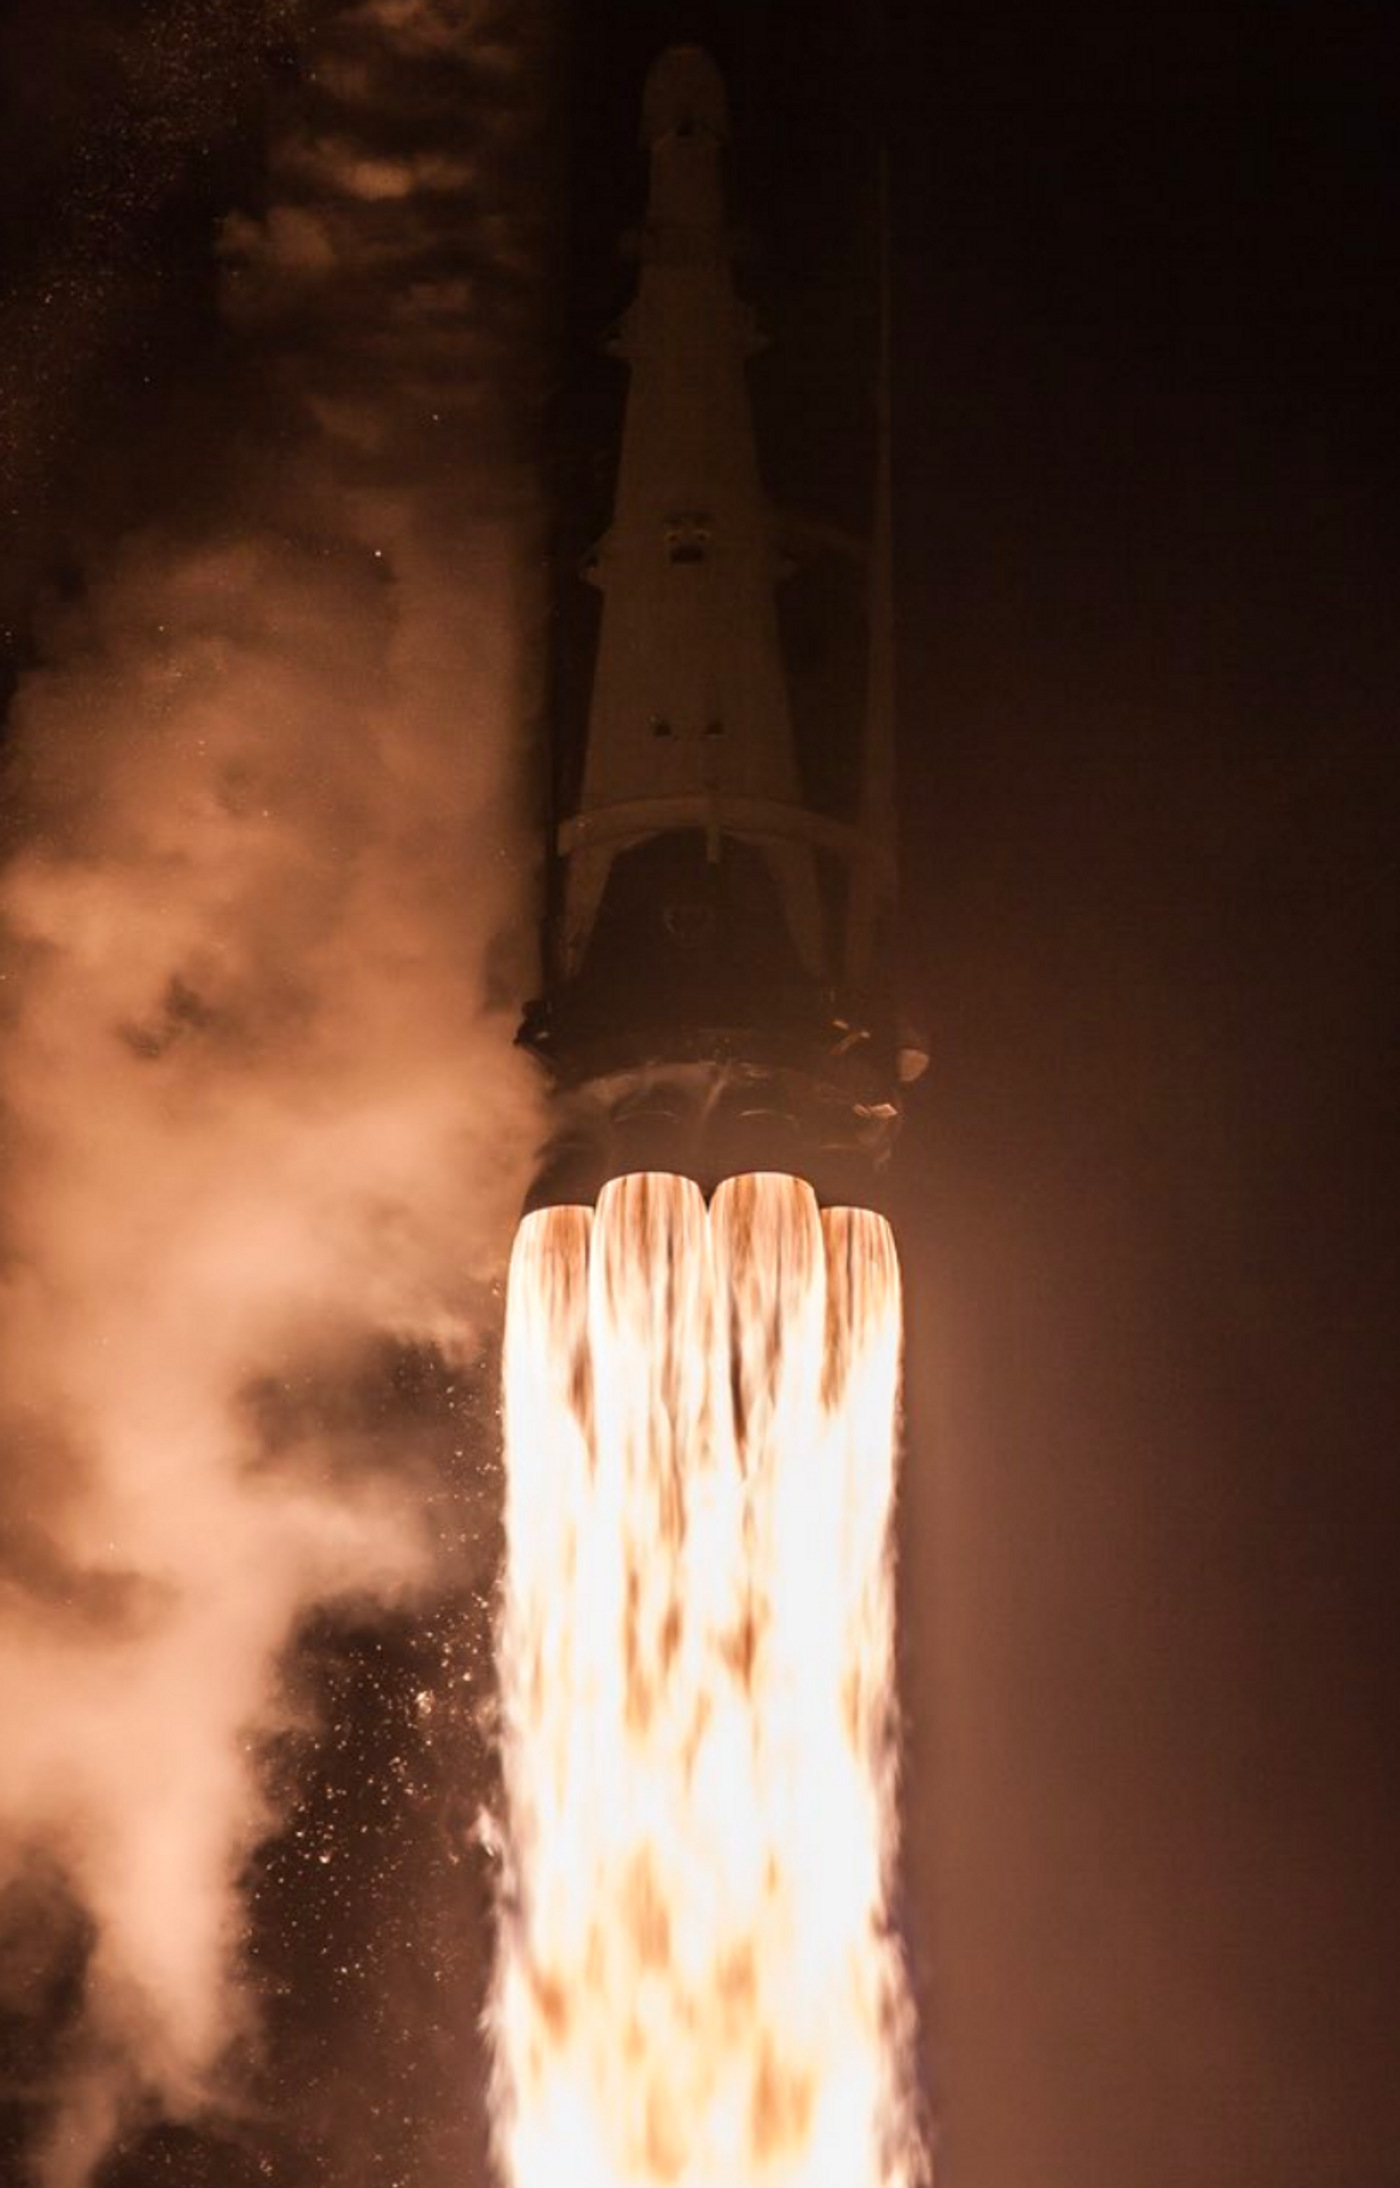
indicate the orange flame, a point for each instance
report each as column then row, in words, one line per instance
column 697, row 1982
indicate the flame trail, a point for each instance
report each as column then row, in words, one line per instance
column 697, row 1982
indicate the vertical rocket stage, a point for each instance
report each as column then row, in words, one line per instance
column 717, row 960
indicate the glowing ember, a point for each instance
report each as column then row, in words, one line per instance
column 697, row 1982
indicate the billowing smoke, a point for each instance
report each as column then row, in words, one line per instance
column 260, row 1104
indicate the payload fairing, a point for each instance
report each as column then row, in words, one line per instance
column 717, row 954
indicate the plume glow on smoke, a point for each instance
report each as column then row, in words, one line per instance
column 262, row 1112
column 699, row 1981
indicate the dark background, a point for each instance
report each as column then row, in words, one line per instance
column 1144, row 406
column 1147, row 573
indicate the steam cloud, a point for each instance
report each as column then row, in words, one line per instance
column 259, row 1096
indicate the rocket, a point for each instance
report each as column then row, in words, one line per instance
column 717, row 991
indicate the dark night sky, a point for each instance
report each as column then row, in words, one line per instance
column 1144, row 396
column 1147, row 566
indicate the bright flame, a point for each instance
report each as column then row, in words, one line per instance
column 698, row 1982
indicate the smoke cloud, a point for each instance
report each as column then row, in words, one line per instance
column 262, row 923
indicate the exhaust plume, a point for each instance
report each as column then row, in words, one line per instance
column 699, row 1979
column 261, row 1107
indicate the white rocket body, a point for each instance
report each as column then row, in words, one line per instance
column 715, row 938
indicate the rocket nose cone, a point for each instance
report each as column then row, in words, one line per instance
column 684, row 97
